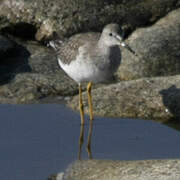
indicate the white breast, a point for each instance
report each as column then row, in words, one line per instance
column 84, row 71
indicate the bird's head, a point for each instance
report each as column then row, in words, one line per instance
column 112, row 35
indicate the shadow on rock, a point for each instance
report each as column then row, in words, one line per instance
column 13, row 62
column 171, row 101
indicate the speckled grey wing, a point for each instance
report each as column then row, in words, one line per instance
column 69, row 49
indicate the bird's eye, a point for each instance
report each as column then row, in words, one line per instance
column 110, row 34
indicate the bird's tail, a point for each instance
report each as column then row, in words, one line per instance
column 55, row 44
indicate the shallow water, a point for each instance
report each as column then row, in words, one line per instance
column 39, row 140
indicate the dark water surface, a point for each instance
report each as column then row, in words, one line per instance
column 38, row 140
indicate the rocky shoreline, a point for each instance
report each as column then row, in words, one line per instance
column 147, row 86
column 125, row 170
column 147, row 98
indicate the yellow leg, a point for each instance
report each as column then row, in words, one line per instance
column 91, row 119
column 81, row 107
column 90, row 101
column 89, row 140
column 81, row 140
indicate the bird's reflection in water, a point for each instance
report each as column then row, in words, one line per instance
column 81, row 140
column 89, row 140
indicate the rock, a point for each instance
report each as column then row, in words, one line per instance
column 70, row 17
column 147, row 98
column 59, row 176
column 31, row 87
column 6, row 46
column 43, row 78
column 45, row 31
column 158, row 49
column 124, row 170
column 13, row 58
column 4, row 100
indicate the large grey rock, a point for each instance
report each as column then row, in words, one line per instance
column 34, row 76
column 124, row 170
column 147, row 98
column 158, row 48
column 68, row 17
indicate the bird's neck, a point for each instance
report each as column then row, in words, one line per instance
column 102, row 46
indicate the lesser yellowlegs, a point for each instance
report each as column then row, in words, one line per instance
column 91, row 57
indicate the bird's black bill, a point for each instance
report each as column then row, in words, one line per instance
column 128, row 48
